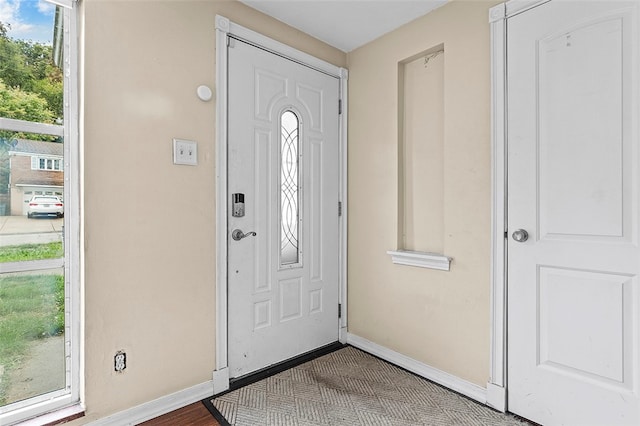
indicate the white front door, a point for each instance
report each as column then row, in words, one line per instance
column 283, row 158
column 573, row 186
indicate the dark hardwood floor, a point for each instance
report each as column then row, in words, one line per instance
column 195, row 414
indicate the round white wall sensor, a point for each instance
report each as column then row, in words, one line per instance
column 204, row 93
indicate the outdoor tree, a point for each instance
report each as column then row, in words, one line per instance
column 13, row 70
column 21, row 105
column 28, row 65
column 45, row 78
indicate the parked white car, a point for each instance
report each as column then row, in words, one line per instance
column 45, row 205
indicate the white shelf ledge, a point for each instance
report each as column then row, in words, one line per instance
column 420, row 259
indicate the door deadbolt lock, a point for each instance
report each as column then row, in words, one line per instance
column 237, row 205
column 520, row 235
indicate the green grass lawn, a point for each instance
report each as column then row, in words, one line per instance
column 31, row 252
column 31, row 307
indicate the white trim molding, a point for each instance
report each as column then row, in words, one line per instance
column 466, row 388
column 224, row 29
column 515, row 7
column 158, row 407
column 227, row 27
column 420, row 259
column 497, row 397
column 497, row 13
column 498, row 343
column 220, row 380
column 344, row 183
column 498, row 16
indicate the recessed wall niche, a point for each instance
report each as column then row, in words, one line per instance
column 421, row 152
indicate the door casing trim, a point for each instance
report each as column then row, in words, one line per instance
column 224, row 29
column 498, row 16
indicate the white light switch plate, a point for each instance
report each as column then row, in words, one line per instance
column 185, row 152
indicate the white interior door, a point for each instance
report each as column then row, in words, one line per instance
column 573, row 297
column 283, row 158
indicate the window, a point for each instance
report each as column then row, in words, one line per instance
column 289, row 202
column 39, row 274
column 39, row 163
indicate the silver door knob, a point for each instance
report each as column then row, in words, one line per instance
column 520, row 235
column 237, row 234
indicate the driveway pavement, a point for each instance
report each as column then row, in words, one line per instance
column 16, row 230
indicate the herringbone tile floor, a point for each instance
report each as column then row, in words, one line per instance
column 350, row 387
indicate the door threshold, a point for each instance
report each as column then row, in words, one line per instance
column 271, row 370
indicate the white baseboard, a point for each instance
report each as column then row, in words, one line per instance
column 468, row 389
column 492, row 396
column 497, row 397
column 157, row 407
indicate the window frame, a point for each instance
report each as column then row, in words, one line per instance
column 38, row 159
column 297, row 263
column 66, row 401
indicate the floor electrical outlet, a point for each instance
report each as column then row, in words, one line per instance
column 120, row 361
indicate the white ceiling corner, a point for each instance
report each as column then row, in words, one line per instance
column 345, row 24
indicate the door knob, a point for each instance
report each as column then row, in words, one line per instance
column 520, row 235
column 237, row 234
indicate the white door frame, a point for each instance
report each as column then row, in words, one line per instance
column 498, row 15
column 224, row 28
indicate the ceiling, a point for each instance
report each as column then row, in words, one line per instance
column 345, row 24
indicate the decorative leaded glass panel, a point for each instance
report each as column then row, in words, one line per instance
column 289, row 201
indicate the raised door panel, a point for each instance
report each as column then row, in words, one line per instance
column 580, row 129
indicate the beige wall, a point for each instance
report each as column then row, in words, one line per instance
column 150, row 225
column 438, row 318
